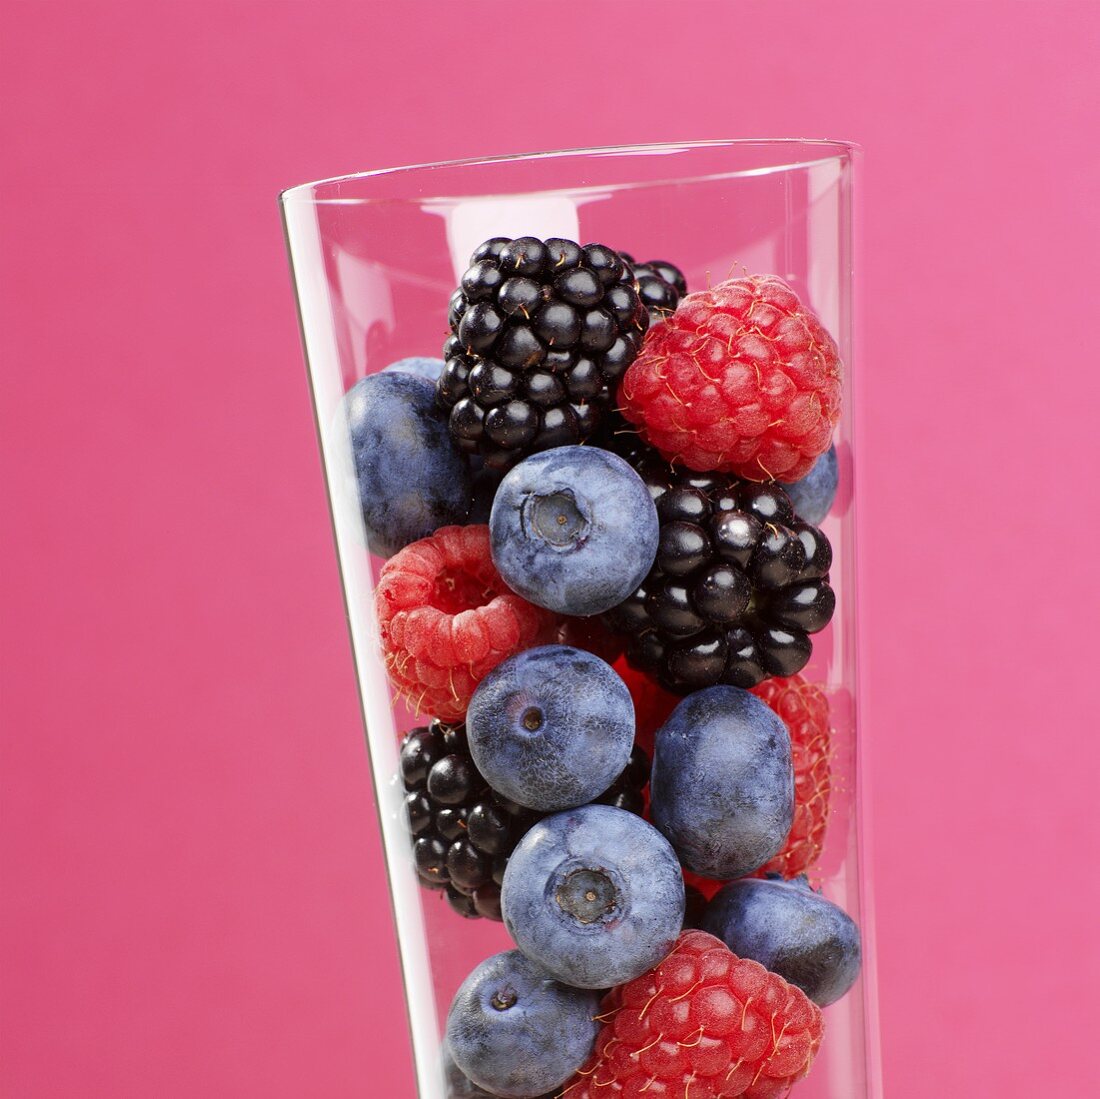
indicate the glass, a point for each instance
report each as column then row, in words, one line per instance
column 375, row 258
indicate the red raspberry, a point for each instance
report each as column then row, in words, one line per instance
column 704, row 1024
column 804, row 709
column 742, row 378
column 707, row 887
column 652, row 703
column 593, row 636
column 447, row 619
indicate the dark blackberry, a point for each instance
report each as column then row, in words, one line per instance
column 659, row 283
column 541, row 333
column 738, row 585
column 462, row 832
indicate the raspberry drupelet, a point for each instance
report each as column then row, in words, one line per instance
column 742, row 378
column 704, row 1024
column 804, row 709
column 447, row 619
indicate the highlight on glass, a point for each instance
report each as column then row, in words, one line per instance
column 586, row 424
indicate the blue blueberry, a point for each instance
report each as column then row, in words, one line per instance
column 418, row 365
column 551, row 727
column 813, row 496
column 722, row 788
column 574, row 530
column 459, row 1085
column 791, row 930
column 412, row 479
column 515, row 1031
column 595, row 895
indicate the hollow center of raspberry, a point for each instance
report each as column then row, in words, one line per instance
column 555, row 518
column 459, row 591
column 587, row 895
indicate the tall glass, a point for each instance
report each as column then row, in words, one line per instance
column 375, row 258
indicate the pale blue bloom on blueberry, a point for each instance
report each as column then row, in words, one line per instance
column 551, row 727
column 722, row 787
column 595, row 895
column 411, row 477
column 813, row 496
column 574, row 529
column 515, row 1031
column 419, row 365
column 791, row 930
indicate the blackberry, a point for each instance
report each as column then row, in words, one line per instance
column 541, row 333
column 660, row 285
column 738, row 585
column 462, row 831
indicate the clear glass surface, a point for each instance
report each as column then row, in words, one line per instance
column 375, row 258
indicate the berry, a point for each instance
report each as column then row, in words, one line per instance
column 704, row 1024
column 411, row 477
column 652, row 703
column 484, row 488
column 722, row 788
column 422, row 367
column 593, row 636
column 461, row 831
column 447, row 618
column 541, row 333
column 813, row 496
column 552, row 727
column 573, row 530
column 695, row 903
column 804, row 709
column 594, row 895
column 458, row 1084
column 791, row 930
column 660, row 285
column 742, row 378
column 737, row 586
column 515, row 1031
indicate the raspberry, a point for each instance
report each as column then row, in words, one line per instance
column 742, row 379
column 704, row 1024
column 805, row 711
column 652, row 703
column 593, row 636
column 706, row 887
column 447, row 619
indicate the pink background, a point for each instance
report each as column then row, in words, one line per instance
column 191, row 879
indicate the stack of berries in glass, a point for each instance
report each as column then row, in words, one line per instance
column 603, row 578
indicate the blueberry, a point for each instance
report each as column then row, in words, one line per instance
column 412, row 479
column 459, row 1085
column 551, row 727
column 574, row 530
column 791, row 930
column 813, row 496
column 595, row 895
column 515, row 1031
column 722, row 788
column 418, row 365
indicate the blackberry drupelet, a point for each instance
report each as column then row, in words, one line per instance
column 541, row 333
column 738, row 585
column 462, row 831
column 660, row 285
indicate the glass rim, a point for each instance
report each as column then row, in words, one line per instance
column 827, row 149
